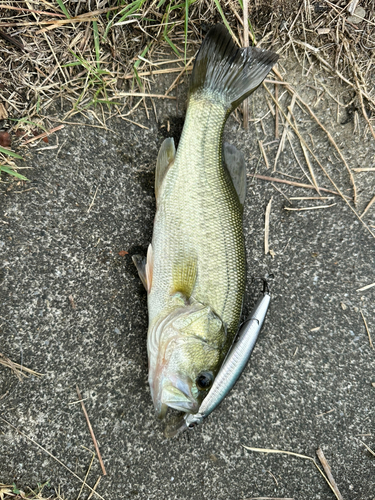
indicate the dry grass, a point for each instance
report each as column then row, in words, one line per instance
column 87, row 52
column 19, row 370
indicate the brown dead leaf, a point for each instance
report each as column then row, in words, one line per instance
column 5, row 139
column 122, row 253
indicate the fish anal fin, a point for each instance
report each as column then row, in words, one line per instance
column 235, row 163
column 145, row 267
column 185, row 276
column 165, row 160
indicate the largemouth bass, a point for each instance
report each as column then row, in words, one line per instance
column 195, row 268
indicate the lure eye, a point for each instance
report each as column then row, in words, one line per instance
column 204, row 380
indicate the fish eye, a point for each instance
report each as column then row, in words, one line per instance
column 204, row 380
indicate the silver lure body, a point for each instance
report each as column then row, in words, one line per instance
column 234, row 363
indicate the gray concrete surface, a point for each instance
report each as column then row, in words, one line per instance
column 309, row 382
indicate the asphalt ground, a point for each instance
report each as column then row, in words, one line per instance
column 310, row 381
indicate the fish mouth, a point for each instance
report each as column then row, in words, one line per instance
column 176, row 394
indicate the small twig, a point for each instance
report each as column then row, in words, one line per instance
column 327, row 470
column 262, row 150
column 91, row 432
column 175, row 81
column 133, row 122
column 365, row 287
column 19, row 370
column 329, row 411
column 367, row 330
column 285, row 130
column 305, row 153
column 22, row 9
column 72, row 303
column 368, row 449
column 142, row 94
column 94, row 487
column 158, row 72
column 92, row 202
column 85, row 478
column 267, row 226
column 294, row 209
column 45, row 134
column 292, row 183
column 276, row 112
column 372, row 201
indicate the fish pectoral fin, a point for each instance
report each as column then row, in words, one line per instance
column 140, row 264
column 235, row 162
column 145, row 267
column 165, row 160
column 185, row 276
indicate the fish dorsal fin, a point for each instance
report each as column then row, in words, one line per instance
column 145, row 267
column 185, row 276
column 235, row 162
column 165, row 159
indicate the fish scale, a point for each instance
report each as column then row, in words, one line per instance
column 200, row 210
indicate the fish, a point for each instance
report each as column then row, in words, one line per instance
column 195, row 269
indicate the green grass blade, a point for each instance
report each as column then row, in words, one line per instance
column 28, row 122
column 172, row 45
column 124, row 13
column 10, row 171
column 183, row 5
column 74, row 63
column 63, row 8
column 8, row 152
column 137, row 77
column 218, row 6
column 96, row 42
column 144, row 52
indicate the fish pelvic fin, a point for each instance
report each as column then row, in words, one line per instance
column 223, row 68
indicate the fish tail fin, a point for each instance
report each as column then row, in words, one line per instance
column 228, row 71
